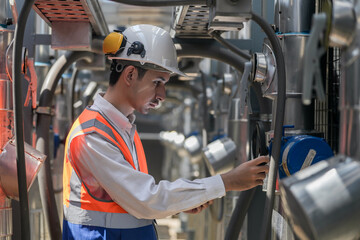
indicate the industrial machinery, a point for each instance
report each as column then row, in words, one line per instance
column 277, row 78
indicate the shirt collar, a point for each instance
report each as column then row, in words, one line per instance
column 113, row 114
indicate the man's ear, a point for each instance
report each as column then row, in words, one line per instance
column 130, row 74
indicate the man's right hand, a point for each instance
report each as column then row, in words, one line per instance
column 246, row 175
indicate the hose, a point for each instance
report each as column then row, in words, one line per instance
column 230, row 46
column 279, row 121
column 18, row 118
column 161, row 3
column 47, row 194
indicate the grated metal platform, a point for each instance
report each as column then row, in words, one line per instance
column 191, row 21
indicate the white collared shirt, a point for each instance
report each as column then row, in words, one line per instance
column 109, row 176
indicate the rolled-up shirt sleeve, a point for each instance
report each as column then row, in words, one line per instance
column 137, row 192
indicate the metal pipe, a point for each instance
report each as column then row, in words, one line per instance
column 230, row 46
column 162, row 3
column 209, row 49
column 18, row 108
column 350, row 99
column 294, row 16
column 42, row 141
column 293, row 22
column 279, row 117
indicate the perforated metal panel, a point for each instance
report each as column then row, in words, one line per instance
column 52, row 11
column 191, row 21
column 72, row 11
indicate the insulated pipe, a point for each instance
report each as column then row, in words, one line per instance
column 209, row 49
column 18, row 108
column 162, row 3
column 349, row 104
column 42, row 141
column 230, row 46
column 279, row 121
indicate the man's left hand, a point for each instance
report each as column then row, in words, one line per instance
column 200, row 208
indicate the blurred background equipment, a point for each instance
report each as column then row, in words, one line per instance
column 276, row 78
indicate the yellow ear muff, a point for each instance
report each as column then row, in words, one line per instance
column 113, row 42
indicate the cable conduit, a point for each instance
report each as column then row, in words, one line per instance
column 279, row 122
column 18, row 118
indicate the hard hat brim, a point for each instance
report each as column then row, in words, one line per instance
column 145, row 64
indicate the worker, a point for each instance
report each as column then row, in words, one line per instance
column 108, row 193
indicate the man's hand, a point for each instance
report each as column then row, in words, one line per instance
column 246, row 175
column 200, row 208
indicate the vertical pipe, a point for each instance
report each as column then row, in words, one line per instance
column 293, row 24
column 350, row 100
column 294, row 16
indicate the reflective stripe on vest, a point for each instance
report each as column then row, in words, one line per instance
column 80, row 206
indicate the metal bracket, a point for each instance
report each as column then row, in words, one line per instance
column 45, row 110
column 312, row 54
column 244, row 90
column 31, row 92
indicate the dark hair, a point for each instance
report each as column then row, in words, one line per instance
column 116, row 72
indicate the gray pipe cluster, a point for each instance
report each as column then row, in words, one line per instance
column 322, row 201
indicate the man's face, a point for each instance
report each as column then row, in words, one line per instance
column 149, row 91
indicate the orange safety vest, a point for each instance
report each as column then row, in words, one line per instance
column 92, row 121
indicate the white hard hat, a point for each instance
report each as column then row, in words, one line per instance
column 147, row 44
